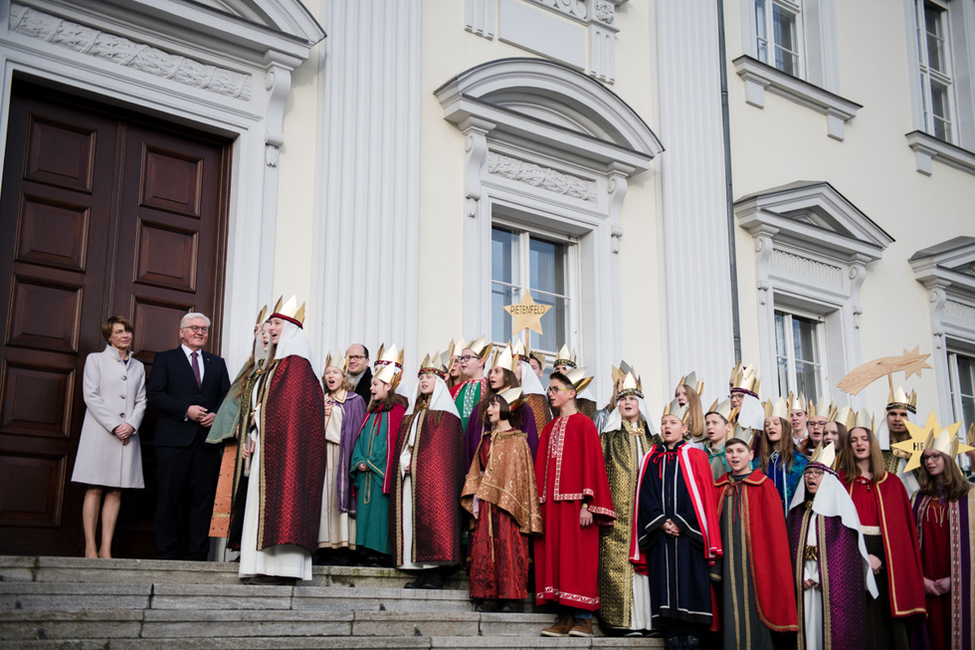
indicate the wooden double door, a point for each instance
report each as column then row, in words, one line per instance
column 102, row 212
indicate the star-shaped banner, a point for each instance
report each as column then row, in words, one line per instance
column 915, row 444
column 527, row 314
column 911, row 363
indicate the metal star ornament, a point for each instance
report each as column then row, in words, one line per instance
column 915, row 444
column 527, row 314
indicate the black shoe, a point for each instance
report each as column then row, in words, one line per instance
column 487, row 606
column 434, row 580
column 510, row 607
column 419, row 583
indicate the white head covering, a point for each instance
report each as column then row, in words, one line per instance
column 530, row 384
column 615, row 419
column 439, row 401
column 883, row 431
column 751, row 415
column 832, row 500
column 293, row 343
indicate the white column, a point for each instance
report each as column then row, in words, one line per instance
column 367, row 225
column 697, row 317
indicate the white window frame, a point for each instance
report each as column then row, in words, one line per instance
column 525, row 234
column 795, row 8
column 821, row 344
column 954, row 384
column 527, row 158
column 929, row 75
column 812, row 250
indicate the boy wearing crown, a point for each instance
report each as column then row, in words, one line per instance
column 574, row 494
column 284, row 494
column 758, row 604
column 900, row 407
column 677, row 532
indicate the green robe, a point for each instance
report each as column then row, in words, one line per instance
column 372, row 506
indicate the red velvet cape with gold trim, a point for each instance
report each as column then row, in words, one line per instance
column 768, row 549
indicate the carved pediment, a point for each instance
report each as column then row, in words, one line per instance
column 813, row 214
column 290, row 17
column 950, row 264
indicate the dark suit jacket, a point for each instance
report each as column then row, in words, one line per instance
column 171, row 388
column 362, row 388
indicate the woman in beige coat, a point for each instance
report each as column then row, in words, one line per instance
column 109, row 455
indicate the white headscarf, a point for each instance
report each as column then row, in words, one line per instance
column 293, row 343
column 439, row 401
column 615, row 419
column 530, row 384
column 832, row 500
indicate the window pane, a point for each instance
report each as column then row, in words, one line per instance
column 966, row 375
column 804, row 339
column 939, row 111
column 547, row 266
column 554, row 323
column 786, row 43
column 501, row 295
column 780, row 344
column 808, row 380
column 782, row 367
column 934, row 38
column 761, row 31
column 965, row 390
column 504, row 256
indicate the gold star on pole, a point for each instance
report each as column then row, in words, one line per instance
column 527, row 314
column 910, row 363
column 919, row 435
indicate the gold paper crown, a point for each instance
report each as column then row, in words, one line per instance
column 480, row 346
column 445, row 359
column 691, row 380
column 797, row 403
column 825, row 456
column 332, row 360
column 863, row 420
column 433, row 363
column 289, row 311
column 971, row 434
column 843, row 416
column 822, row 407
column 734, row 373
column 900, row 400
column 724, row 409
column 629, row 385
column 678, row 411
column 565, row 357
column 578, row 378
column 518, row 351
column 947, row 443
column 539, row 357
column 262, row 316
column 747, row 381
column 745, row 435
column 512, row 396
column 778, row 409
column 451, row 349
column 504, row 359
column 389, row 365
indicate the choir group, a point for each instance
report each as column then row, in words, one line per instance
column 746, row 525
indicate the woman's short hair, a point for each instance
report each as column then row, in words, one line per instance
column 110, row 324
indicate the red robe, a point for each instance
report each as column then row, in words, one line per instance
column 899, row 535
column 767, row 539
column 292, row 470
column 570, row 469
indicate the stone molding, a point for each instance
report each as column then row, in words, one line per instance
column 947, row 271
column 928, row 148
column 812, row 248
column 545, row 178
column 126, row 52
column 759, row 77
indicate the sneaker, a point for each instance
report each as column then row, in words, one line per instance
column 583, row 627
column 562, row 626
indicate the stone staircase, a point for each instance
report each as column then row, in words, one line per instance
column 56, row 602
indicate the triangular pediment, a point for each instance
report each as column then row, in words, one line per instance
column 288, row 16
column 950, row 263
column 811, row 213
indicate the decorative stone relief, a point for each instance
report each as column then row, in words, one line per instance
column 573, row 8
column 131, row 54
column 811, row 270
column 959, row 312
column 543, row 177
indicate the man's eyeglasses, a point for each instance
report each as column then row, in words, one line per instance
column 556, row 389
column 358, row 356
column 467, row 357
column 199, row 329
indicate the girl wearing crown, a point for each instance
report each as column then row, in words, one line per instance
column 426, row 473
column 344, row 411
column 829, row 559
column 371, row 456
column 501, row 495
column 778, row 455
column 890, row 537
column 943, row 510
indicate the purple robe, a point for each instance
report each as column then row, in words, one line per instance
column 476, row 428
column 353, row 414
column 843, row 588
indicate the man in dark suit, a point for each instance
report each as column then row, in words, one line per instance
column 187, row 385
column 359, row 371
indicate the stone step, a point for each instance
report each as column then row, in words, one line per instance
column 73, row 569
column 190, row 628
column 350, row 643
